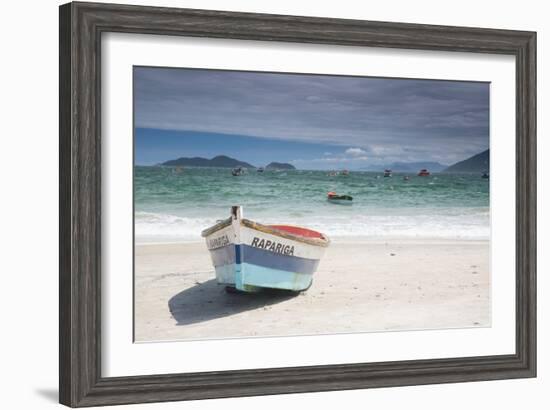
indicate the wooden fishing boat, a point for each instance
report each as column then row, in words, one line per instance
column 249, row 256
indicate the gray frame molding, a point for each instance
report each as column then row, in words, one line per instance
column 81, row 26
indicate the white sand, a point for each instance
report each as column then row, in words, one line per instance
column 359, row 287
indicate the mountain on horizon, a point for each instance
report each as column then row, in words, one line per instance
column 279, row 165
column 477, row 164
column 220, row 161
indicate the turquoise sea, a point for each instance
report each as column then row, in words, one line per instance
column 172, row 206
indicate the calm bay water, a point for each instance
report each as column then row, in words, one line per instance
column 176, row 206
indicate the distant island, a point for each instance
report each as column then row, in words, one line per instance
column 478, row 163
column 220, row 161
column 279, row 165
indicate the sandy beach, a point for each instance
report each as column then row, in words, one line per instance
column 361, row 286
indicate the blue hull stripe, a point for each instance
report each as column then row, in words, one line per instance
column 239, row 254
column 246, row 277
column 253, row 276
column 277, row 261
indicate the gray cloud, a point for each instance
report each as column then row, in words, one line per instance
column 387, row 118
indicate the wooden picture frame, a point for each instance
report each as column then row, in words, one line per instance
column 81, row 27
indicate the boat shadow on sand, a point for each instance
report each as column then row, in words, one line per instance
column 207, row 300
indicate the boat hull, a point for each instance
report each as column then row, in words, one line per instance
column 254, row 257
column 340, row 201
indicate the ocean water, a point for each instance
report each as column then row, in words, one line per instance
column 173, row 206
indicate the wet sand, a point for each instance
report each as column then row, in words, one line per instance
column 360, row 286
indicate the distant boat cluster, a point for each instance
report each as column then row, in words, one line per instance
column 388, row 173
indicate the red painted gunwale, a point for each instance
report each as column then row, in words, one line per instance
column 298, row 231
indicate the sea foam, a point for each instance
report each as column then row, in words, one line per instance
column 449, row 224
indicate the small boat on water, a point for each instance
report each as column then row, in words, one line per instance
column 249, row 256
column 423, row 173
column 387, row 173
column 260, row 169
column 334, row 198
column 345, row 172
column 237, row 172
column 406, row 178
column 485, row 175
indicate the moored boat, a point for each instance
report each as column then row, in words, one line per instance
column 237, row 172
column 423, row 173
column 485, row 175
column 387, row 173
column 334, row 198
column 250, row 256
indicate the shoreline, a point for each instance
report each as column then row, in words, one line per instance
column 349, row 240
column 368, row 286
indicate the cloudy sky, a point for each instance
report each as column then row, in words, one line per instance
column 312, row 121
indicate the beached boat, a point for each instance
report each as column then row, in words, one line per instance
column 249, row 256
column 423, row 173
column 387, row 173
column 334, row 198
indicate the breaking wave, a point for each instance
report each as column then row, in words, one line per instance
column 450, row 224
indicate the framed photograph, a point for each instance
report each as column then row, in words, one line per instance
column 262, row 204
